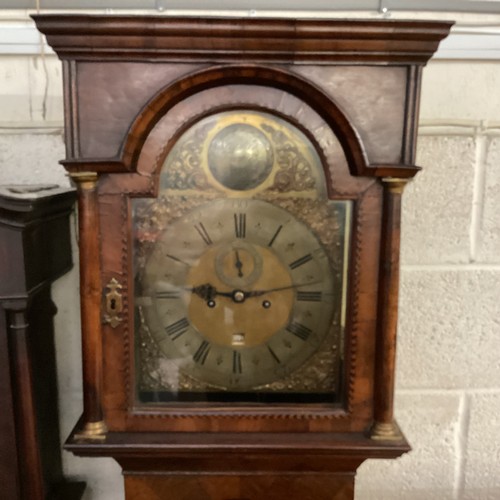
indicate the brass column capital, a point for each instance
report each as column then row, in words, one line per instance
column 395, row 184
column 84, row 180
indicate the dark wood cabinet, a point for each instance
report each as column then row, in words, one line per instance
column 34, row 251
column 303, row 132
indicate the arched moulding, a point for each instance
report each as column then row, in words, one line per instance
column 170, row 125
column 172, row 111
column 253, row 75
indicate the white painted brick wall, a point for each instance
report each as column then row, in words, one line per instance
column 430, row 421
column 437, row 204
column 448, row 397
column 489, row 234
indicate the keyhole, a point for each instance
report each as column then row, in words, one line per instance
column 112, row 304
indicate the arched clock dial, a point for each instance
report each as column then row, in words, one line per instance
column 238, row 293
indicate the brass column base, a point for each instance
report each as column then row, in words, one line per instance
column 386, row 431
column 93, row 431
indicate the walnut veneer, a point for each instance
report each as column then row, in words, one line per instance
column 132, row 86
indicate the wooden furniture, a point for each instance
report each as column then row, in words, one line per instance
column 164, row 112
column 35, row 250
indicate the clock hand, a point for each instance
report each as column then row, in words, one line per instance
column 208, row 292
column 258, row 293
column 238, row 264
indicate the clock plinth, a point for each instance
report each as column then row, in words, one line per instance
column 239, row 212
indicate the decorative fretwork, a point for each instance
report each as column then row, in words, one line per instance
column 294, row 172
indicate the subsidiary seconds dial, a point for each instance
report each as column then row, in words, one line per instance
column 238, row 293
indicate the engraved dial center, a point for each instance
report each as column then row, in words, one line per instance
column 238, row 264
column 236, row 309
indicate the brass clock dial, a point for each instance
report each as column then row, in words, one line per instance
column 240, row 267
column 238, row 293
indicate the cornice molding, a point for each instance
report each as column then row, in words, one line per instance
column 297, row 41
column 466, row 42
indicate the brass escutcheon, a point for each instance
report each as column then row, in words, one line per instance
column 114, row 303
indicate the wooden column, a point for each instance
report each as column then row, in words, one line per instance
column 29, row 454
column 384, row 427
column 94, row 426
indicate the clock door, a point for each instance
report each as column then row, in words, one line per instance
column 240, row 269
column 244, row 249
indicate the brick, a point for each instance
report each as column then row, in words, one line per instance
column 32, row 159
column 14, row 90
column 430, row 423
column 462, row 90
column 489, row 234
column 437, row 204
column 448, row 331
column 46, row 92
column 482, row 464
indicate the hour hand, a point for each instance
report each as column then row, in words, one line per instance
column 208, row 292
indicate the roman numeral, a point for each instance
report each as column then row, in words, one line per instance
column 236, row 362
column 240, row 225
column 273, row 354
column 201, row 354
column 175, row 330
column 299, row 330
column 270, row 244
column 203, row 233
column 301, row 261
column 309, row 296
column 168, row 294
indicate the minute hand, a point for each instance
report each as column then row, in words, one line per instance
column 258, row 293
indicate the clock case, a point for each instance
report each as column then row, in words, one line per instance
column 132, row 86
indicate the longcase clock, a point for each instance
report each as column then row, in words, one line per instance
column 239, row 189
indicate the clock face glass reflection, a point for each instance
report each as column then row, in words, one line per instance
column 240, row 268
